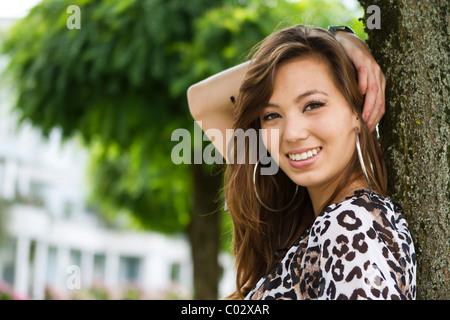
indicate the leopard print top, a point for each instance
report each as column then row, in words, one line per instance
column 359, row 248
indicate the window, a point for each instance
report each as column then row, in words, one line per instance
column 7, row 260
column 175, row 271
column 75, row 257
column 99, row 268
column 129, row 270
column 52, row 265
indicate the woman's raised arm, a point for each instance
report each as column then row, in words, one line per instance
column 210, row 101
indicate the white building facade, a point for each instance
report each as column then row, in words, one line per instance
column 50, row 241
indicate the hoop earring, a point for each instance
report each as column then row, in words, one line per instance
column 361, row 160
column 259, row 199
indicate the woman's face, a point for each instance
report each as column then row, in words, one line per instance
column 315, row 122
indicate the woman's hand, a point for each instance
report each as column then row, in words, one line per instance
column 371, row 79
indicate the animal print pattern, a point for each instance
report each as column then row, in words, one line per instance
column 357, row 249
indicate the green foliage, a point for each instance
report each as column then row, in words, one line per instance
column 224, row 36
column 156, row 192
column 109, row 79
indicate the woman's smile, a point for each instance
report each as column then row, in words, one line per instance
column 303, row 158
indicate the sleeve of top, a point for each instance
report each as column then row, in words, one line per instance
column 355, row 261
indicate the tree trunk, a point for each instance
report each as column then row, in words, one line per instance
column 412, row 48
column 204, row 233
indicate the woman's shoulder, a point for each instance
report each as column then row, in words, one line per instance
column 364, row 210
column 365, row 248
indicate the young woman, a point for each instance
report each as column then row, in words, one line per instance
column 322, row 227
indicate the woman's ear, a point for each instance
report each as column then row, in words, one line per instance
column 357, row 123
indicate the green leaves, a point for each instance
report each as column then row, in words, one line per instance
column 151, row 189
column 118, row 58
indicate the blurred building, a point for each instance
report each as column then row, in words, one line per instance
column 51, row 241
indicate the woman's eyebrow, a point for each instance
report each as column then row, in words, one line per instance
column 299, row 97
column 308, row 93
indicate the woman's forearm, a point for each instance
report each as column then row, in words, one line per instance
column 212, row 95
column 211, row 106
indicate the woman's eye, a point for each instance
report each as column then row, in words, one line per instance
column 270, row 116
column 313, row 105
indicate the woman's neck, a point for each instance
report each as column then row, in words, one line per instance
column 320, row 195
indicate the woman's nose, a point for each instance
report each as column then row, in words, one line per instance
column 295, row 129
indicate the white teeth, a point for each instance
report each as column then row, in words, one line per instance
column 304, row 155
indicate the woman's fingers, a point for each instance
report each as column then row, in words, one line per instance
column 374, row 104
column 369, row 109
column 362, row 78
column 371, row 80
column 379, row 106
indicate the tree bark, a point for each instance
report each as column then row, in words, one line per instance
column 412, row 48
column 204, row 233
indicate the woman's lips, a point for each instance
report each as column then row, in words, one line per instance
column 305, row 158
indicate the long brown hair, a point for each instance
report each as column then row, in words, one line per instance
column 257, row 232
